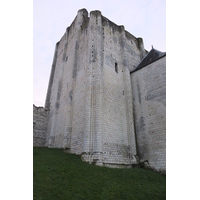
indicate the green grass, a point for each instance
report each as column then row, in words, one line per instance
column 58, row 175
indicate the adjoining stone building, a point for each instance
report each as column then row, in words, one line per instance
column 106, row 95
column 149, row 108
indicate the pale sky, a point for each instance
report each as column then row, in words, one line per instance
column 142, row 18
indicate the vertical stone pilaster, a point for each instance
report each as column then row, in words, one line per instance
column 131, row 148
column 141, row 48
column 93, row 132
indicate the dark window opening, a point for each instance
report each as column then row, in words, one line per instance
column 116, row 67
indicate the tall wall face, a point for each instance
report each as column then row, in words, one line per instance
column 89, row 94
column 149, row 105
column 121, row 53
column 67, row 88
column 39, row 126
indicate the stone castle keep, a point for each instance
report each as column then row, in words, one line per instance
column 106, row 98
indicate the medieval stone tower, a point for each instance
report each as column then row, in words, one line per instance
column 90, row 98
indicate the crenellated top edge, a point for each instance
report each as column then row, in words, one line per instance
column 83, row 12
column 84, row 17
column 95, row 12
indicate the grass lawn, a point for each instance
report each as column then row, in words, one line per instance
column 58, row 175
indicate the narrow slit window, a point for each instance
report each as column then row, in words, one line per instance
column 116, row 67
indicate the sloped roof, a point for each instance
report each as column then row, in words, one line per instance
column 152, row 56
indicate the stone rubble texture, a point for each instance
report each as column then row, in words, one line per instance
column 94, row 104
column 39, row 126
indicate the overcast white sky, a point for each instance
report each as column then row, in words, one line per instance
column 142, row 18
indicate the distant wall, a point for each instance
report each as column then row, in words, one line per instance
column 39, row 126
column 149, row 108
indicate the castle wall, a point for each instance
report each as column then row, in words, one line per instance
column 149, row 106
column 39, row 126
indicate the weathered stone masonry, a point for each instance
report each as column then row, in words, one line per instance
column 39, row 126
column 149, row 105
column 90, row 98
